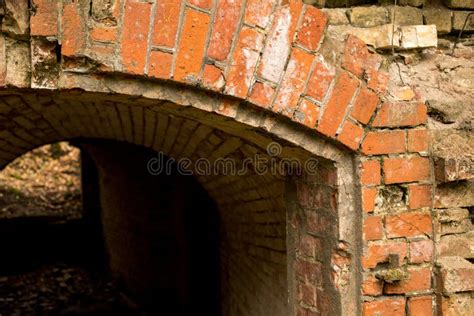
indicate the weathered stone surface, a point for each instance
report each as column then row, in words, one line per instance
column 414, row 3
column 454, row 221
column 368, row 16
column 18, row 63
column 450, row 111
column 405, row 15
column 453, row 155
column 337, row 16
column 459, row 4
column 45, row 66
column 343, row 3
column 418, row 36
column 460, row 18
column 102, row 10
column 442, row 18
column 461, row 245
column 461, row 304
column 379, row 37
column 456, row 194
column 456, row 273
column 16, row 19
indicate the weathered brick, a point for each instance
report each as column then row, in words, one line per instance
column 320, row 80
column 419, row 195
column 307, row 113
column 368, row 199
column 370, row 172
column 44, row 21
column 456, row 274
column 166, row 23
column 351, row 135
column 262, row 94
column 373, row 228
column 309, row 271
column 104, row 34
column 312, row 28
column 244, row 61
column 365, row 105
column 203, row 4
column 408, row 224
column 74, row 33
column 357, row 58
column 3, row 61
column 372, row 286
column 454, row 221
column 191, row 46
column 160, row 65
column 224, row 29
column 418, row 140
column 384, row 142
column 400, row 170
column 401, row 114
column 213, row 77
column 420, row 306
column 461, row 304
column 293, row 84
column 258, row 12
column 307, row 294
column 377, row 80
column 379, row 253
column 418, row 280
column 384, row 307
column 279, row 40
column 421, row 251
column 135, row 36
column 336, row 107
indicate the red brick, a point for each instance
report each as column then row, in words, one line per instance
column 224, row 28
column 379, row 253
column 372, row 286
column 320, row 80
column 373, row 228
column 74, row 33
column 244, row 61
column 370, row 172
column 400, row 170
column 310, row 246
column 418, row 140
column 357, row 58
column 420, row 306
column 191, row 46
column 368, row 199
column 421, row 251
column 377, row 80
column 213, row 77
column 45, row 20
column 307, row 271
column 135, row 36
column 336, row 107
column 203, row 4
column 160, row 65
column 351, row 135
column 365, row 105
column 104, row 34
column 258, row 12
column 408, row 225
column 166, row 23
column 307, row 113
column 419, row 195
column 293, row 84
column 418, row 280
column 401, row 114
column 262, row 94
column 279, row 40
column 385, row 142
column 312, row 28
column 384, row 307
column 307, row 294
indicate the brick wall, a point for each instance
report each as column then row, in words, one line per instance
column 262, row 64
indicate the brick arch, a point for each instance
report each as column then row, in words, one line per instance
column 269, row 57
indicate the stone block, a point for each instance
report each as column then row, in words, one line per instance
column 459, row 4
column 368, row 16
column 418, row 36
column 461, row 304
column 454, row 221
column 460, row 18
column 440, row 17
column 337, row 16
column 405, row 15
column 455, row 194
column 461, row 245
column 17, row 19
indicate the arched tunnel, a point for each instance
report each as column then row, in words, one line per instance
column 192, row 211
